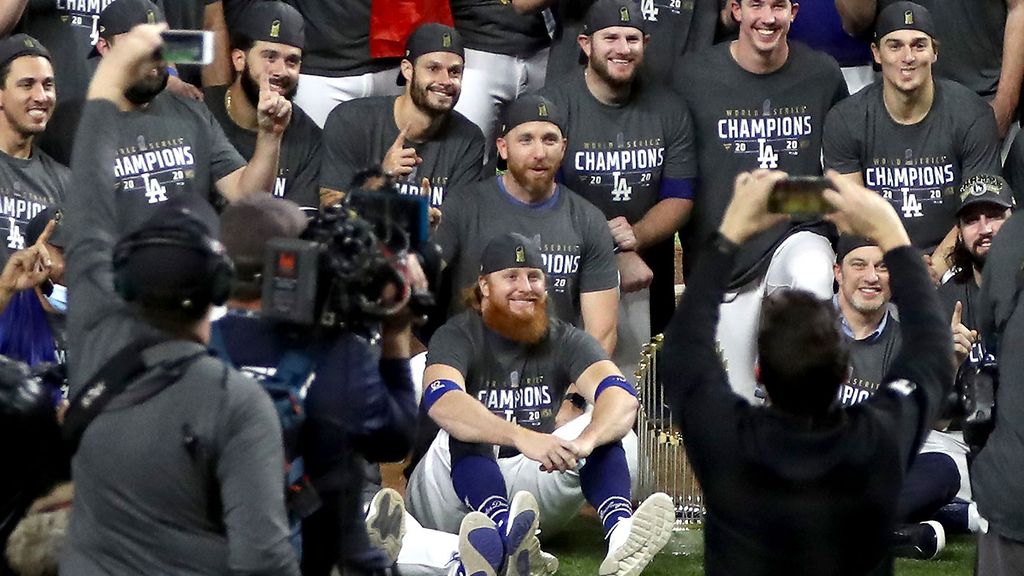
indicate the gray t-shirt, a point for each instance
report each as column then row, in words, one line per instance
column 338, row 38
column 495, row 26
column 675, row 27
column 746, row 121
column 520, row 382
column 971, row 33
column 174, row 147
column 27, row 187
column 918, row 167
column 358, row 134
column 298, row 168
column 573, row 236
column 619, row 157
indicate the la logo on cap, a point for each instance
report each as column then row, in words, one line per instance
column 520, row 254
column 275, row 28
column 150, row 17
column 623, row 14
column 542, row 110
column 446, row 40
column 908, row 18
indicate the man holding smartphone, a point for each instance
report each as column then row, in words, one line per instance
column 266, row 49
column 171, row 146
column 911, row 137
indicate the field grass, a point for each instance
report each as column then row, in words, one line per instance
column 581, row 549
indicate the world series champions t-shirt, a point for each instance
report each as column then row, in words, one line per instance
column 358, row 134
column 27, row 187
column 522, row 383
column 619, row 156
column 298, row 168
column 573, row 236
column 918, row 168
column 745, row 121
column 174, row 147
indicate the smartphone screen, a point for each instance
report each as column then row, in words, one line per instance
column 800, row 196
column 187, row 46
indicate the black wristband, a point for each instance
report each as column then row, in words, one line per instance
column 577, row 400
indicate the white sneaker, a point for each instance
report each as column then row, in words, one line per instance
column 385, row 522
column 635, row 541
column 481, row 549
column 521, row 534
column 541, row 563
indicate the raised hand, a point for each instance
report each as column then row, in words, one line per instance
column 274, row 111
column 963, row 338
column 399, row 161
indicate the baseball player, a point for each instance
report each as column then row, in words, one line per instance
column 496, row 374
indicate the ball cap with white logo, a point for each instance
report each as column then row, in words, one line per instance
column 510, row 250
column 987, row 189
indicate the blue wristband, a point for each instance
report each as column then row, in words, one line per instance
column 435, row 390
column 614, row 380
column 172, row 71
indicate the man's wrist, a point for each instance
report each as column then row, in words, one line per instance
column 727, row 241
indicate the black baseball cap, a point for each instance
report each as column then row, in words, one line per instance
column 531, row 108
column 431, row 37
column 38, row 223
column 850, row 242
column 123, row 15
column 272, row 21
column 985, row 189
column 510, row 250
column 904, row 16
column 607, row 13
column 21, row 45
column 249, row 223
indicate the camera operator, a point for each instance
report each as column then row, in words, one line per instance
column 800, row 486
column 996, row 479
column 360, row 400
column 178, row 460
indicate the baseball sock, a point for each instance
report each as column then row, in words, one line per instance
column 478, row 482
column 606, row 485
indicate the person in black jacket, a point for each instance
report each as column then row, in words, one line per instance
column 802, row 486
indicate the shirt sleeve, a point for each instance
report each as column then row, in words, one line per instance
column 579, row 349
column 598, row 269
column 840, row 147
column 224, row 157
column 452, row 346
column 980, row 152
column 345, row 149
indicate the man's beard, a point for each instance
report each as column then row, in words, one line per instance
column 251, row 88
column 143, row 91
column 978, row 260
column 421, row 98
column 518, row 328
column 600, row 67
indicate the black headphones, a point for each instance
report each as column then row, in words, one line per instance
column 218, row 269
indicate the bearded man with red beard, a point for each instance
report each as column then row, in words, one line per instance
column 497, row 373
